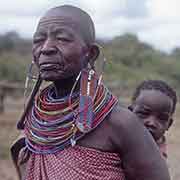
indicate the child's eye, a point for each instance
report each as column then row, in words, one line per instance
column 142, row 114
column 164, row 118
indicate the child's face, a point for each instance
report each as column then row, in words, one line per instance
column 154, row 110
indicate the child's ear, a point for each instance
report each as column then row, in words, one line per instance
column 130, row 107
column 170, row 123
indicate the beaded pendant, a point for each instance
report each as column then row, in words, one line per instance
column 88, row 86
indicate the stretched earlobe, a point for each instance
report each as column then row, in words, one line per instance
column 93, row 54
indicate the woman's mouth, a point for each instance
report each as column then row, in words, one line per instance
column 50, row 67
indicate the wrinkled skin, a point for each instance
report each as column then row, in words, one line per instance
column 154, row 109
column 60, row 52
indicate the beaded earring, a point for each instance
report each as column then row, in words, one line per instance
column 88, row 86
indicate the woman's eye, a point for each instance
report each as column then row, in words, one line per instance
column 63, row 37
column 38, row 40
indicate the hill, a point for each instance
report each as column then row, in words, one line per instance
column 129, row 61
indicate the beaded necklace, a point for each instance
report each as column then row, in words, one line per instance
column 51, row 124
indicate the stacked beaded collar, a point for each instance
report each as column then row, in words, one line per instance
column 52, row 124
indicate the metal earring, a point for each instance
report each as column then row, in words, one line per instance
column 29, row 77
column 102, row 61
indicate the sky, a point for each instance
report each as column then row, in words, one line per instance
column 156, row 22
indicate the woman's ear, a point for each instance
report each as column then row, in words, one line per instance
column 93, row 54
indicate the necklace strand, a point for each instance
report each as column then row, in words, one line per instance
column 51, row 123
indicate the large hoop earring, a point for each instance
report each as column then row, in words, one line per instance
column 30, row 76
column 72, row 90
column 102, row 59
column 88, row 87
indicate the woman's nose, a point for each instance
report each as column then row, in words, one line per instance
column 49, row 48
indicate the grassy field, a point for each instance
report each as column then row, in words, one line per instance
column 8, row 133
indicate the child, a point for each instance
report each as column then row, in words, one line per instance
column 154, row 102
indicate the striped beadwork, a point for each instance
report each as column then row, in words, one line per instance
column 52, row 125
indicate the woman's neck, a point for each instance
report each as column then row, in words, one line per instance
column 64, row 87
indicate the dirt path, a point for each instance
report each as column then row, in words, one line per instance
column 7, row 172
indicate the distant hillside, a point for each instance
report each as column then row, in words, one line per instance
column 129, row 61
column 15, row 55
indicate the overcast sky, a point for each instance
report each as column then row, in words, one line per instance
column 154, row 21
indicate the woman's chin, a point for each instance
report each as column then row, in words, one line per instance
column 50, row 76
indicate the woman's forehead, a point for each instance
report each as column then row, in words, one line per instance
column 60, row 26
column 73, row 17
column 58, row 23
column 59, row 18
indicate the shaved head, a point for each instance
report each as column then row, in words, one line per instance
column 74, row 15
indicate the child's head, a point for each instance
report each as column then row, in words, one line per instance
column 154, row 102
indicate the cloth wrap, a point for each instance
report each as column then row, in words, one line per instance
column 79, row 163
